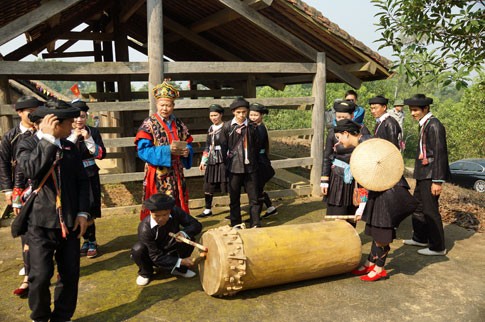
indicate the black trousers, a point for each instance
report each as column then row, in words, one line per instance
column 139, row 253
column 44, row 245
column 427, row 224
column 250, row 183
column 25, row 254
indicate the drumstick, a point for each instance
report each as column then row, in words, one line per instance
column 344, row 217
column 188, row 241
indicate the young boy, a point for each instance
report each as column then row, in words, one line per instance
column 242, row 161
column 431, row 169
column 155, row 247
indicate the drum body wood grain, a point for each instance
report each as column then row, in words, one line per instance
column 253, row 258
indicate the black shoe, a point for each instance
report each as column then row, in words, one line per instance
column 203, row 215
column 270, row 213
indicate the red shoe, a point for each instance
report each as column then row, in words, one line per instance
column 363, row 271
column 374, row 278
column 22, row 292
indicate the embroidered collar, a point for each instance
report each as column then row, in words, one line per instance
column 425, row 118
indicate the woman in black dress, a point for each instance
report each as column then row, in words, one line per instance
column 90, row 145
column 212, row 160
column 265, row 170
column 337, row 188
column 382, row 211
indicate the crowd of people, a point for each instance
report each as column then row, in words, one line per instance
column 52, row 154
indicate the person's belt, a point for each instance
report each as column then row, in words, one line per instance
column 89, row 162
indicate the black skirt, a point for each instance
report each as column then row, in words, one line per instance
column 339, row 193
column 215, row 179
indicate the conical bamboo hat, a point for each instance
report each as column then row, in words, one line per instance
column 376, row 164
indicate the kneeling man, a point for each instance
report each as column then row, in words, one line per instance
column 155, row 247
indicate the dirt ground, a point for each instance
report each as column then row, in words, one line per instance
column 420, row 288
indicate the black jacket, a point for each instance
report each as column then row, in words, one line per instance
column 234, row 148
column 8, row 149
column 436, row 152
column 389, row 130
column 35, row 158
column 157, row 240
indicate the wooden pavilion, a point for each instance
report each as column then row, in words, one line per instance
column 223, row 48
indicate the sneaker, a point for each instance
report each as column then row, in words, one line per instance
column 412, row 242
column 270, row 211
column 84, row 248
column 206, row 213
column 429, row 252
column 92, row 250
column 187, row 274
column 142, row 281
column 22, row 271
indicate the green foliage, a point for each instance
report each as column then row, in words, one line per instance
column 434, row 40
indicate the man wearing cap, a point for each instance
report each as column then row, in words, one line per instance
column 12, row 183
column 242, row 162
column 164, row 143
column 59, row 215
column 90, row 144
column 431, row 169
column 398, row 113
column 387, row 127
column 155, row 247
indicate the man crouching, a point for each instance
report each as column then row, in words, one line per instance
column 156, row 248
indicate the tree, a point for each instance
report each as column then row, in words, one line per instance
column 434, row 40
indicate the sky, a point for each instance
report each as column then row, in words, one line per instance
column 354, row 16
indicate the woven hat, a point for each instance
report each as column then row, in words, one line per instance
column 376, row 164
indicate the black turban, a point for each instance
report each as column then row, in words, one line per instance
column 62, row 111
column 80, row 105
column 258, row 108
column 159, row 201
column 379, row 100
column 419, row 100
column 27, row 102
column 344, row 106
column 216, row 108
column 346, row 125
column 239, row 102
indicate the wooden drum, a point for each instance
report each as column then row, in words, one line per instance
column 242, row 259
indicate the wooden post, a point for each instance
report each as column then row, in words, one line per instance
column 250, row 87
column 318, row 123
column 124, row 87
column 155, row 48
column 6, row 122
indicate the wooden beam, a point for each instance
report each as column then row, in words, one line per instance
column 155, row 48
column 198, row 40
column 53, row 33
column 82, row 35
column 369, row 67
column 5, row 120
column 318, row 123
column 300, row 79
column 66, row 45
column 289, row 39
column 218, row 19
column 69, row 54
column 33, row 18
column 62, row 70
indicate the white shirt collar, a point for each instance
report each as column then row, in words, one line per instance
column 234, row 121
column 23, row 129
column 424, row 119
column 383, row 117
column 153, row 223
column 217, row 127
